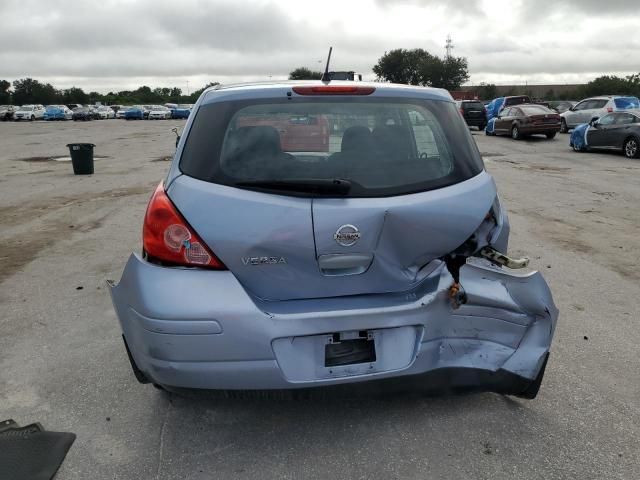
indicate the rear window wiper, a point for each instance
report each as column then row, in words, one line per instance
column 316, row 186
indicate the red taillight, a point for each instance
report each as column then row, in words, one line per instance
column 609, row 109
column 334, row 90
column 168, row 238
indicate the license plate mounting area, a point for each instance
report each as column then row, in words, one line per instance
column 349, row 348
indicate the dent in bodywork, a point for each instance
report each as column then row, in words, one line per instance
column 492, row 234
column 506, row 325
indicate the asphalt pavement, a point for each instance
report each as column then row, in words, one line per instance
column 62, row 362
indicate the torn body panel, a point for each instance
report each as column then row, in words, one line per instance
column 167, row 315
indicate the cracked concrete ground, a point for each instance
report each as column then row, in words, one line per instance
column 62, row 361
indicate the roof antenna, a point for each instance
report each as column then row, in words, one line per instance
column 325, row 76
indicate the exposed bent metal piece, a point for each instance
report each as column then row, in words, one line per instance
column 504, row 260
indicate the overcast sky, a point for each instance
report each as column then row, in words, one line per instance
column 115, row 44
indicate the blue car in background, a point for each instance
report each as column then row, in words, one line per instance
column 181, row 111
column 134, row 113
column 57, row 112
column 616, row 131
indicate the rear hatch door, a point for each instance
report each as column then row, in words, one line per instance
column 473, row 109
column 282, row 247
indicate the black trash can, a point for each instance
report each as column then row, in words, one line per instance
column 82, row 158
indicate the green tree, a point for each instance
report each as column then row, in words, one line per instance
column 612, row 84
column 74, row 95
column 28, row 90
column 401, row 66
column 487, row 91
column 194, row 96
column 449, row 73
column 419, row 67
column 5, row 95
column 304, row 73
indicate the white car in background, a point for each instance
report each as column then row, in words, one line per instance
column 159, row 112
column 105, row 112
column 121, row 111
column 587, row 109
column 29, row 112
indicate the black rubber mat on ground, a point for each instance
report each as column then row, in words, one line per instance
column 30, row 452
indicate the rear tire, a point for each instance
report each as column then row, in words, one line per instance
column 515, row 133
column 551, row 135
column 631, row 148
column 32, row 118
column 563, row 126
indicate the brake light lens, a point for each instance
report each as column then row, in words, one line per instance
column 609, row 109
column 167, row 238
column 334, row 90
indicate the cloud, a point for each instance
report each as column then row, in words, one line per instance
column 461, row 7
column 577, row 8
column 121, row 43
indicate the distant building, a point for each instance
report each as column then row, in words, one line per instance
column 534, row 91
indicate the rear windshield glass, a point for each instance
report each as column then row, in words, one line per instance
column 472, row 105
column 624, row 103
column 516, row 100
column 381, row 146
column 535, row 110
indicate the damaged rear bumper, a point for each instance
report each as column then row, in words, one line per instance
column 200, row 329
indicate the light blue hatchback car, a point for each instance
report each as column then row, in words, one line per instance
column 312, row 234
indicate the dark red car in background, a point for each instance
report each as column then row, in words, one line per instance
column 527, row 119
column 298, row 133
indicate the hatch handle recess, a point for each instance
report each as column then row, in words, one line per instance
column 337, row 264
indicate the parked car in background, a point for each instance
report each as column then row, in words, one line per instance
column 181, row 111
column 122, row 111
column 588, row 108
column 497, row 104
column 73, row 106
column 561, row 106
column 159, row 112
column 115, row 109
column 473, row 112
column 298, row 133
column 146, row 109
column 6, row 112
column 103, row 112
column 83, row 114
column 524, row 120
column 57, row 112
column 345, row 265
column 134, row 113
column 29, row 112
column 615, row 131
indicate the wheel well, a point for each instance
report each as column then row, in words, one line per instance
column 635, row 137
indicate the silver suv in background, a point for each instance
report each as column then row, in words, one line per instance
column 588, row 108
